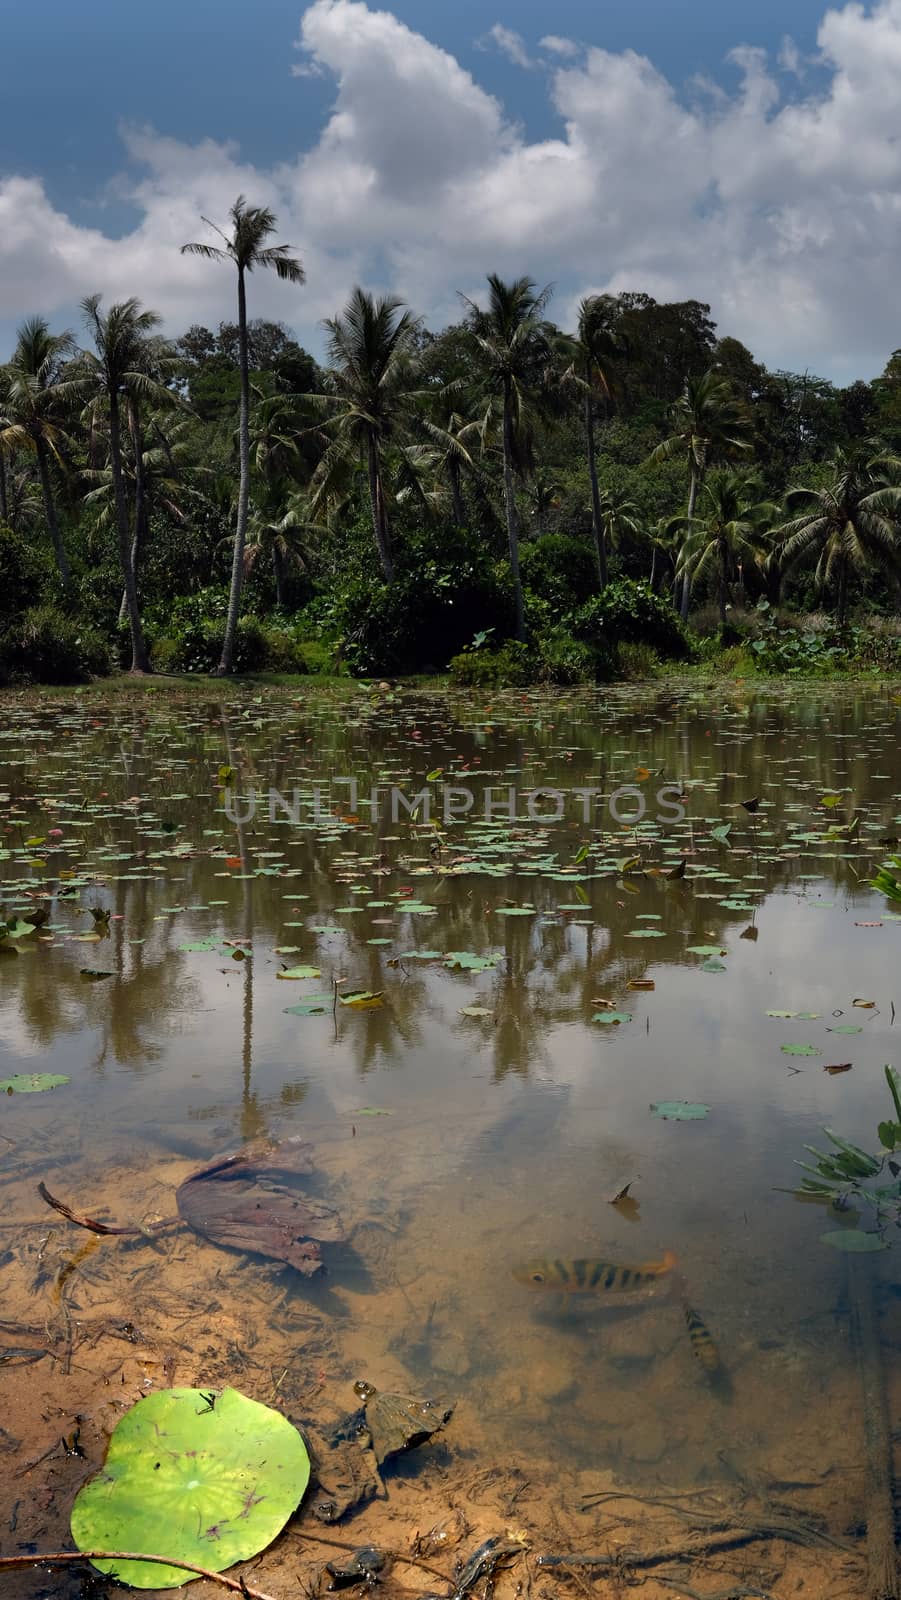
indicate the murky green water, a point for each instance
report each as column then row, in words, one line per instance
column 455, row 1145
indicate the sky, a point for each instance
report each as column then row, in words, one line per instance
column 744, row 154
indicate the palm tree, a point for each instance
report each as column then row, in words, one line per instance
column 33, row 412
column 372, row 376
column 729, row 526
column 449, row 422
column 617, row 516
column 709, row 425
column 116, row 378
column 594, row 353
column 851, row 523
column 512, row 351
column 282, row 539
column 246, row 249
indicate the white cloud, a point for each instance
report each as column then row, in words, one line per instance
column 785, row 214
column 559, row 46
column 510, row 44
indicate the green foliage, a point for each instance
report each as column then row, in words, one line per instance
column 45, row 645
column 444, row 591
column 629, row 612
column 795, row 651
column 21, row 574
column 849, row 1178
column 559, row 569
column 511, row 665
column 637, row 661
column 888, row 880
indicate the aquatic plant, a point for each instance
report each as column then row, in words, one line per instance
column 852, row 1179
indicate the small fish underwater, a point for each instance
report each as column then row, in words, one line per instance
column 622, row 1285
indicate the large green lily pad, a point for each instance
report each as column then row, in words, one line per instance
column 31, row 1082
column 210, row 1478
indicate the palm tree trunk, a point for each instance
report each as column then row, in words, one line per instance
column 4, row 497
column 140, row 660
column 689, row 515
column 512, row 519
column 459, row 504
column 600, row 544
column 59, row 549
column 377, row 504
column 722, row 587
column 140, row 525
column 278, row 569
column 653, row 577
column 842, row 595
column 237, row 578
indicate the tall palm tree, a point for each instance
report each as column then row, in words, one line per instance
column 594, row 353
column 850, row 524
column 449, row 422
column 373, row 376
column 728, row 527
column 513, row 354
column 33, row 415
column 246, row 248
column 709, row 425
column 116, row 378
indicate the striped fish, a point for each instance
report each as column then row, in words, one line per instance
column 702, row 1343
column 624, row 1285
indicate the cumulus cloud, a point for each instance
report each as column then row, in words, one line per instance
column 783, row 212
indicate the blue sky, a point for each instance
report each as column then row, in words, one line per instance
column 428, row 143
column 220, row 69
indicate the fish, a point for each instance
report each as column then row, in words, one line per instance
column 624, row 1285
column 702, row 1342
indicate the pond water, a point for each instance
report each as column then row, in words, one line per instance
column 474, row 1116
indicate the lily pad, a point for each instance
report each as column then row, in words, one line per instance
column 612, row 1018
column 210, row 1478
column 299, row 972
column 799, row 1050
column 680, row 1110
column 854, row 1240
column 31, row 1082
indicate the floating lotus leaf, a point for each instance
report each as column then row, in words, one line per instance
column 208, row 1478
column 31, row 1082
column 612, row 1018
column 679, row 1110
column 299, row 972
column 853, row 1240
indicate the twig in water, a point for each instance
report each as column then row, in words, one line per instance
column 104, row 1227
column 58, row 1558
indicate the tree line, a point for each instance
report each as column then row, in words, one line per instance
column 139, row 470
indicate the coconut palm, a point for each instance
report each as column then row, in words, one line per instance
column 281, row 539
column 33, row 413
column 369, row 406
column 450, row 423
column 618, row 517
column 729, row 525
column 850, row 524
column 513, row 355
column 593, row 356
column 246, row 249
column 115, row 379
column 709, row 425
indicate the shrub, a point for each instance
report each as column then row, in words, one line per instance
column 510, row 665
column 629, row 612
column 637, row 661
column 559, row 569
column 21, row 574
column 432, row 609
column 47, row 646
column 563, row 659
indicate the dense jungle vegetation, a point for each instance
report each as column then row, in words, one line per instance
column 503, row 498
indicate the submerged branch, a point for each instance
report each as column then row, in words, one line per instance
column 58, row 1558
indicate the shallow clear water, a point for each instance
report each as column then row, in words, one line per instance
column 455, row 1146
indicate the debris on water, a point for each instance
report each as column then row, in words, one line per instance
column 484, row 1562
column 241, row 1201
column 364, row 1566
column 349, row 1456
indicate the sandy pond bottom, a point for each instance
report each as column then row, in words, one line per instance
column 476, row 1119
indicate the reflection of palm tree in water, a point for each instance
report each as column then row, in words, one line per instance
column 253, row 1122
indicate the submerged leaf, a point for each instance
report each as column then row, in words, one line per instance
column 854, row 1241
column 31, row 1082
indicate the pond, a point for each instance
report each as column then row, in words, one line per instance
column 506, row 991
